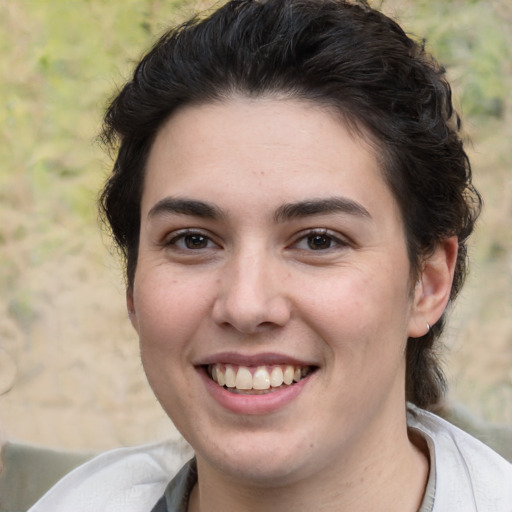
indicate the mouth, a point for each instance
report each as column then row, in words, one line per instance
column 257, row 380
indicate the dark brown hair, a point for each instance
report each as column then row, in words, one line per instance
column 342, row 54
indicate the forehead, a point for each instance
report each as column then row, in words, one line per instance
column 280, row 149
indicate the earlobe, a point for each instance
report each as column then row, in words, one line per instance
column 130, row 305
column 432, row 291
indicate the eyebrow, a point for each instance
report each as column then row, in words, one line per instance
column 182, row 206
column 322, row 206
column 285, row 212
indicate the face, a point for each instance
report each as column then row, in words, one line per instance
column 272, row 260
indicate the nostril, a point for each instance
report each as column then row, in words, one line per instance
column 251, row 312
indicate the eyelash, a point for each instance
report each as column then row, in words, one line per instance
column 182, row 236
column 333, row 239
column 179, row 240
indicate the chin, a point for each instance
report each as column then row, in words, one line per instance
column 258, row 460
column 259, row 472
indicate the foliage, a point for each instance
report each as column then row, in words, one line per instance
column 471, row 38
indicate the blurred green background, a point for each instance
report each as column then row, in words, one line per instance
column 69, row 369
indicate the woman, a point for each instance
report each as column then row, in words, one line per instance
column 293, row 200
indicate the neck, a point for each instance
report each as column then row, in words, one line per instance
column 384, row 471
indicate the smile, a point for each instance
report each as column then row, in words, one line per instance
column 258, row 379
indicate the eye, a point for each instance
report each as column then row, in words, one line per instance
column 191, row 240
column 319, row 241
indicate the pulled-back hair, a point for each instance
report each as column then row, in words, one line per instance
column 341, row 54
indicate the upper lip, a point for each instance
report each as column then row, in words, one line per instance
column 262, row 359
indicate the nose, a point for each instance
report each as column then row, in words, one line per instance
column 251, row 295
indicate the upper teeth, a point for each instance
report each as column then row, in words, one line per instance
column 260, row 378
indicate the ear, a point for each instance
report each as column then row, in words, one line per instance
column 130, row 305
column 432, row 291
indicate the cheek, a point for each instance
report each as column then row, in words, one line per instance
column 359, row 314
column 354, row 295
column 170, row 315
column 169, row 311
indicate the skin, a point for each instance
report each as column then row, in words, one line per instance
column 256, row 284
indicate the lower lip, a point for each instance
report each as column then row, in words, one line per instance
column 253, row 404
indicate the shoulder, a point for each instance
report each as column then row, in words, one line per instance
column 119, row 480
column 469, row 475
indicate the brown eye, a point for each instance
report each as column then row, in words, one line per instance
column 195, row 241
column 319, row 242
column 191, row 240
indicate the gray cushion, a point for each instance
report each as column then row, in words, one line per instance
column 29, row 471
